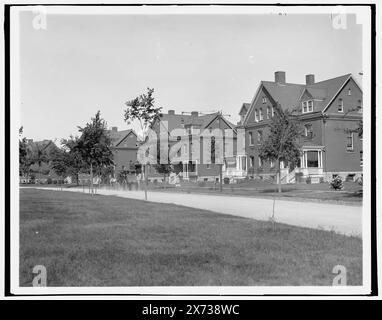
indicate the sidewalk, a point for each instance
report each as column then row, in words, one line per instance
column 340, row 218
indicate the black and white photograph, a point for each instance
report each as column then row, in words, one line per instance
column 191, row 150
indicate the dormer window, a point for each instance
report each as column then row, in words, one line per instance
column 340, row 105
column 264, row 100
column 349, row 92
column 307, row 106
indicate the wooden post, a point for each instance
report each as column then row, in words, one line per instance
column 146, row 181
column 91, row 178
column 279, row 167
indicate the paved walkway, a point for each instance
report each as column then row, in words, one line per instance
column 340, row 218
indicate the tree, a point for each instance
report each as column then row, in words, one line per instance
column 59, row 162
column 281, row 143
column 25, row 156
column 39, row 155
column 94, row 145
column 164, row 169
column 142, row 110
column 75, row 163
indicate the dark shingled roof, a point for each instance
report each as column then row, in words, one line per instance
column 117, row 136
column 288, row 94
column 176, row 121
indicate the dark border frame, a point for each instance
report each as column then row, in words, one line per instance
column 7, row 226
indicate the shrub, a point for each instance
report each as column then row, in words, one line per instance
column 336, row 183
column 321, row 180
column 49, row 181
column 308, row 180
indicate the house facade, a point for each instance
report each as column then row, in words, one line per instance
column 329, row 111
column 124, row 145
column 189, row 164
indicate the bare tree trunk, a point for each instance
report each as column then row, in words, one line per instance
column 279, row 169
column 146, row 180
column 91, row 178
column 221, row 177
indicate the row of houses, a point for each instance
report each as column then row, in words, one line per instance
column 330, row 112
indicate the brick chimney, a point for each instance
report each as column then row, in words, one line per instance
column 194, row 114
column 115, row 129
column 171, row 112
column 309, row 79
column 280, row 77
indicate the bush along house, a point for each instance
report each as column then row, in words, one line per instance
column 124, row 145
column 330, row 113
column 190, row 165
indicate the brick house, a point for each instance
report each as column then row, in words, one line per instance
column 194, row 123
column 124, row 148
column 329, row 111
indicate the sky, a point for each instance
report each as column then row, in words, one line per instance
column 83, row 63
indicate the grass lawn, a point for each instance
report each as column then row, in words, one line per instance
column 111, row 241
column 351, row 194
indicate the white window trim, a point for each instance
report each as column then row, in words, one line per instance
column 251, row 140
column 259, row 136
column 256, row 116
column 306, row 129
column 342, row 105
column 352, row 142
column 261, row 118
column 307, row 106
column 268, row 112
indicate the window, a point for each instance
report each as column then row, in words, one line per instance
column 259, row 136
column 349, row 92
column 359, row 106
column 256, row 116
column 273, row 111
column 310, row 105
column 350, row 142
column 312, row 159
column 244, row 163
column 260, row 162
column 264, row 100
column 361, row 158
column 307, row 106
column 340, row 105
column 268, row 112
column 272, row 163
column 251, row 161
column 308, row 131
column 261, row 114
column 251, row 141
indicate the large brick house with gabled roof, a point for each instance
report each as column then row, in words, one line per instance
column 195, row 123
column 330, row 112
